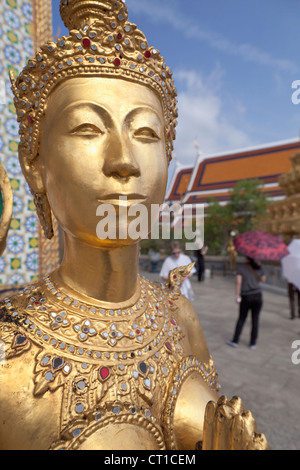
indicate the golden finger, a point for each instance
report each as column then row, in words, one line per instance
column 237, row 405
column 237, row 441
column 250, row 427
column 259, row 442
column 222, row 400
column 209, row 426
column 223, row 425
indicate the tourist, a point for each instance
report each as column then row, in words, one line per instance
column 201, row 262
column 294, row 296
column 249, row 297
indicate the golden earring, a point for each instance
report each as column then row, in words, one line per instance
column 44, row 213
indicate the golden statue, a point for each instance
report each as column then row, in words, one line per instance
column 232, row 252
column 94, row 356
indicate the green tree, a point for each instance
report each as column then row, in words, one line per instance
column 217, row 226
column 243, row 213
column 248, row 205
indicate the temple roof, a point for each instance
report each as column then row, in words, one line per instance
column 179, row 183
column 216, row 175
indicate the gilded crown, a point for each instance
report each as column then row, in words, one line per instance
column 81, row 12
column 101, row 42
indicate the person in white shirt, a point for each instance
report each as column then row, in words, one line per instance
column 177, row 260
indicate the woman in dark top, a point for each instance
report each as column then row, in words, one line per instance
column 201, row 262
column 249, row 296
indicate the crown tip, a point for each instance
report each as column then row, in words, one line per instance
column 78, row 13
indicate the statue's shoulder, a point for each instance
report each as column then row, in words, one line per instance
column 182, row 309
column 187, row 314
column 13, row 318
column 13, row 306
column 170, row 293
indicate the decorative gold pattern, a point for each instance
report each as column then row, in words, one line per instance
column 127, row 380
column 44, row 213
column 284, row 216
column 187, row 367
column 79, row 431
column 42, row 18
column 176, row 278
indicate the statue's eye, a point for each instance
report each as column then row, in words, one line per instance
column 87, row 130
column 146, row 134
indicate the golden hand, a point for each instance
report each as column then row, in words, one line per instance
column 228, row 427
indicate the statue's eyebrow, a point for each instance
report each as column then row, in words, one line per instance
column 141, row 109
column 105, row 114
column 94, row 107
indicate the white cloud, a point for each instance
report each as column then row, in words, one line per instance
column 161, row 10
column 202, row 117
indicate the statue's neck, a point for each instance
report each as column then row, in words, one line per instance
column 108, row 275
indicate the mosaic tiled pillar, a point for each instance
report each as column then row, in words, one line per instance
column 26, row 255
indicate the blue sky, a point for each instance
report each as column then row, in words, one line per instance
column 234, row 62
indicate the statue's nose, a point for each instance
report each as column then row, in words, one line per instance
column 119, row 159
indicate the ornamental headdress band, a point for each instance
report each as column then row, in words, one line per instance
column 101, row 43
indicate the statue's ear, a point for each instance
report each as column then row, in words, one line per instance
column 32, row 170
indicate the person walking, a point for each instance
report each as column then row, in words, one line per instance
column 201, row 262
column 249, row 297
column 177, row 260
column 294, row 298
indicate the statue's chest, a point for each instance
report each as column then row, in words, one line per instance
column 116, row 367
column 116, row 389
column 100, row 383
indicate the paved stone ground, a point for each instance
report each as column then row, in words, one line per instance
column 265, row 378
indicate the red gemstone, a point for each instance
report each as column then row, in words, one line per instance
column 137, row 332
column 117, row 62
column 171, row 303
column 104, row 373
column 147, row 54
column 173, row 322
column 36, row 303
column 86, row 43
column 119, row 36
column 29, row 119
column 168, row 346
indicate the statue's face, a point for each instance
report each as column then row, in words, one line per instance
column 102, row 138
